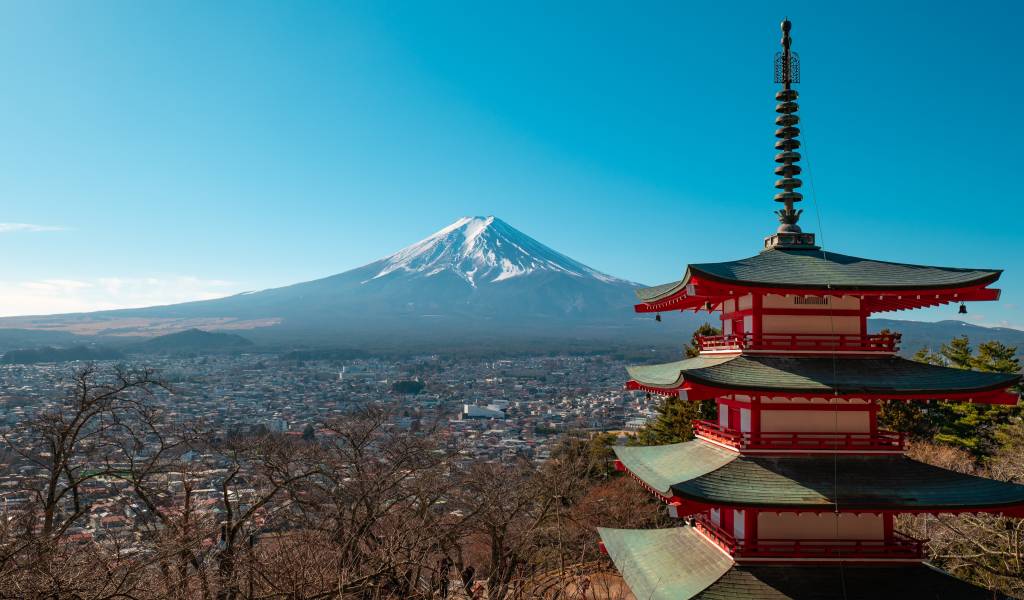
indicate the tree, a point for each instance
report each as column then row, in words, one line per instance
column 986, row 549
column 673, row 423
column 69, row 445
column 972, row 427
column 674, row 419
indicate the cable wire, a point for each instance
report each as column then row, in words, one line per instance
column 835, row 365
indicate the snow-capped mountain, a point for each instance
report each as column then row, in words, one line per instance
column 477, row 278
column 484, row 250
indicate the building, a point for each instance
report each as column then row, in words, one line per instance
column 793, row 490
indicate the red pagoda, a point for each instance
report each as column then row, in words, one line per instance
column 792, row 491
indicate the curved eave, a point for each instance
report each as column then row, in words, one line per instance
column 696, row 297
column 847, row 483
column 657, row 468
column 985, row 278
column 665, row 564
column 819, row 582
column 891, row 378
column 679, row 563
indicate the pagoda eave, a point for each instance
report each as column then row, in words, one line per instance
column 693, row 293
column 885, row 378
column 696, row 392
column 683, row 562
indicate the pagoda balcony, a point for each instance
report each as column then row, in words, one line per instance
column 899, row 547
column 801, row 441
column 801, row 343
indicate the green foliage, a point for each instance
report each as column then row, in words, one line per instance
column 674, row 423
column 410, row 386
column 972, row 427
column 592, row 454
column 674, row 420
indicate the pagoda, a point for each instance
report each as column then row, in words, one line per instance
column 792, row 491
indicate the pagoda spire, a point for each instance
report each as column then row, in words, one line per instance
column 787, row 72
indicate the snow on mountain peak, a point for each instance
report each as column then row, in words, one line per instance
column 483, row 250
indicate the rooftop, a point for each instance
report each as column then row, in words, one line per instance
column 885, row 376
column 680, row 563
column 697, row 472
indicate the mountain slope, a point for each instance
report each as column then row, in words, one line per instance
column 921, row 334
column 191, row 340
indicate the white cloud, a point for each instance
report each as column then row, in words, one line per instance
column 53, row 296
column 29, row 227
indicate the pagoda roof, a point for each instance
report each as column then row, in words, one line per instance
column 818, row 269
column 699, row 473
column 659, row 467
column 884, row 376
column 665, row 564
column 832, row 582
column 680, row 563
column 849, row 482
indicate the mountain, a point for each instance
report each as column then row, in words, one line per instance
column 477, row 279
column 192, row 340
column 920, row 334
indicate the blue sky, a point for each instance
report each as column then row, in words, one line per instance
column 157, row 152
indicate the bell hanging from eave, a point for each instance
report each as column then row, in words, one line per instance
column 963, row 309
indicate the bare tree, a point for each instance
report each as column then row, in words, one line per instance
column 67, row 446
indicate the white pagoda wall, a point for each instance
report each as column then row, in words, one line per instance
column 810, row 324
column 820, row 526
column 816, row 421
column 837, row 324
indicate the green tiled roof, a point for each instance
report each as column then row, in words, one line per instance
column 857, row 482
column 819, row 269
column 665, row 564
column 662, row 466
column 824, row 582
column 679, row 563
column 845, row 375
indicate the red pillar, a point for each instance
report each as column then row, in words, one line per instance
column 755, row 417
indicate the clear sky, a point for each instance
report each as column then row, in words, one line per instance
column 154, row 152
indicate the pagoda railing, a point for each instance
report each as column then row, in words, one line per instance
column 899, row 546
column 801, row 342
column 881, row 440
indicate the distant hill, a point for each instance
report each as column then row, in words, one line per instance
column 191, row 340
column 920, row 334
column 50, row 354
column 16, row 339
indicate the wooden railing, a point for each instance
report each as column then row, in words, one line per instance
column 899, row 546
column 801, row 342
column 882, row 440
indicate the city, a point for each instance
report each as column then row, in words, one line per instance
column 533, row 401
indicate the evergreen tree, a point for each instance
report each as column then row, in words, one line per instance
column 976, row 428
column 674, row 420
column 673, row 423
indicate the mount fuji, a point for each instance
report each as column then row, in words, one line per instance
column 478, row 278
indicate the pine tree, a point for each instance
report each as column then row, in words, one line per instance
column 975, row 427
column 674, row 420
column 673, row 423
